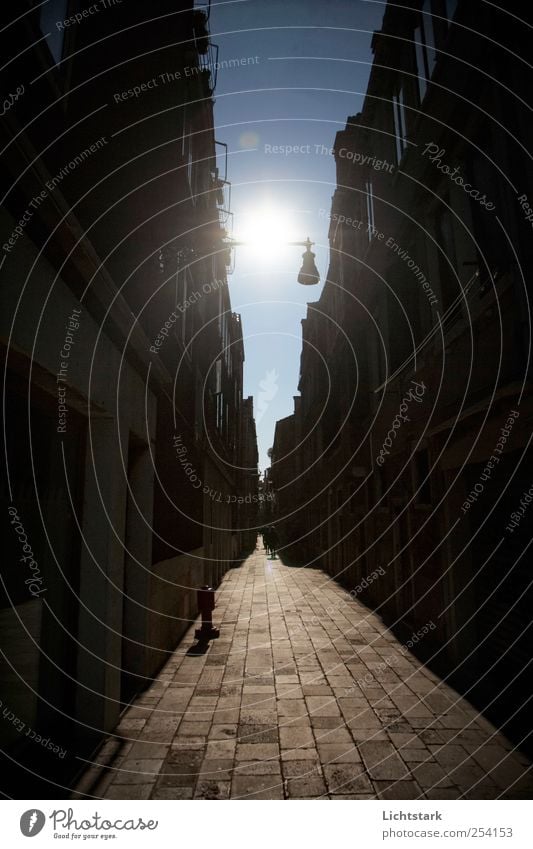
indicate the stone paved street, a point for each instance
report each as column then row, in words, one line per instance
column 305, row 695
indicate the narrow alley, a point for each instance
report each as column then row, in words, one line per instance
column 306, row 694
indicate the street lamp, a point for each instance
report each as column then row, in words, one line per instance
column 308, row 274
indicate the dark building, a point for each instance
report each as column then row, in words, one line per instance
column 250, row 498
column 416, row 408
column 126, row 427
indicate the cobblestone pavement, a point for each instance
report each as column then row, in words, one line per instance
column 305, row 695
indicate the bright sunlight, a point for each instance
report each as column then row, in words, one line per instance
column 266, row 230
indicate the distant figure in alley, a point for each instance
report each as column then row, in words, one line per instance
column 273, row 541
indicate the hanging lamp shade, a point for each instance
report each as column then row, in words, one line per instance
column 308, row 275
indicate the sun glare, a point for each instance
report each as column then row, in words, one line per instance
column 265, row 230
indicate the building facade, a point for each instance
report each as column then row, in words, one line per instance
column 416, row 411
column 126, row 426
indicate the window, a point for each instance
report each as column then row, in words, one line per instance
column 429, row 35
column 220, row 412
column 450, row 9
column 377, row 351
column 421, row 69
column 493, row 253
column 50, row 14
column 426, row 54
column 421, row 477
column 398, row 108
column 369, row 209
column 185, row 322
column 190, row 173
column 219, row 396
column 447, row 258
column 184, row 136
column 187, row 152
column 379, row 485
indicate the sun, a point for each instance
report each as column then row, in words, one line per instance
column 265, row 230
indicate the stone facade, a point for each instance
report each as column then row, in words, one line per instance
column 415, row 410
column 118, row 330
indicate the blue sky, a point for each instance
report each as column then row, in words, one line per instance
column 293, row 89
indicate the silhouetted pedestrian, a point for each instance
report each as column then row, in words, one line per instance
column 273, row 540
column 266, row 540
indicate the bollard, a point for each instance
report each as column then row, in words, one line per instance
column 206, row 605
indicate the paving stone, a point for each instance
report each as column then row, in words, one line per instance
column 257, row 734
column 182, row 793
column 220, row 749
column 338, row 752
column 201, row 702
column 194, row 729
column 317, row 690
column 348, row 796
column 289, row 691
column 431, row 737
column 190, row 743
column 229, row 716
column 431, row 775
column 294, row 722
column 443, row 793
column 398, row 790
column 256, row 787
column 331, row 722
column 230, row 690
column 454, row 719
column 257, row 751
column 334, row 735
column 449, row 755
column 343, row 778
column 283, row 678
column 158, row 726
column 258, row 689
column 181, row 767
column 285, row 670
column 382, row 761
column 351, row 708
column 145, row 750
column 306, row 787
column 322, row 706
column 129, row 791
column 364, row 719
column 212, row 789
column 465, row 737
column 296, row 769
column 258, row 717
column 258, row 702
column 160, row 735
column 258, row 768
column 130, row 728
column 483, row 790
column 292, row 707
column 222, row 731
column 468, row 774
column 217, row 769
column 306, row 754
column 411, row 755
column 292, row 738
